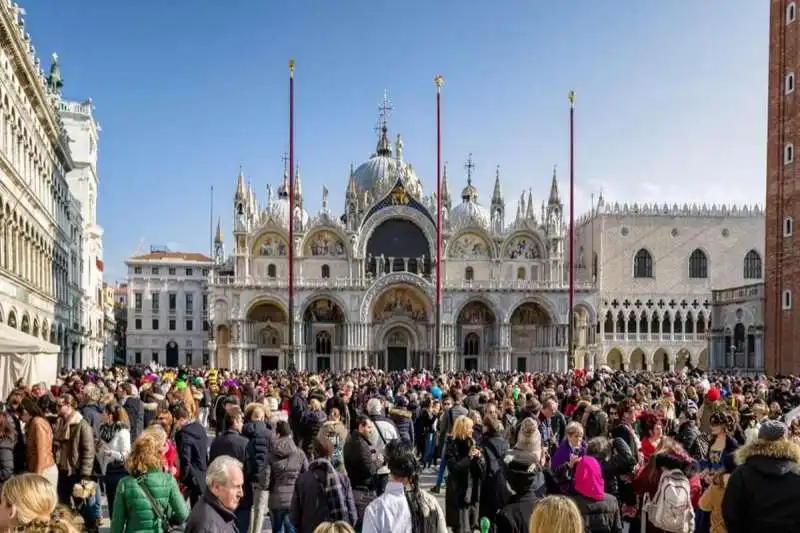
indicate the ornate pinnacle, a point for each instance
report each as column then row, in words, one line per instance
column 439, row 81
column 291, row 68
column 571, row 97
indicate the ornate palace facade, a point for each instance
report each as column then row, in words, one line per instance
column 365, row 284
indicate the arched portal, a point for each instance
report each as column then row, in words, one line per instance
column 173, row 359
column 398, row 245
column 638, row 360
column 702, row 359
column 682, row 360
column 476, row 326
column 398, row 344
column 533, row 336
column 268, row 325
column 660, row 361
column 407, row 307
column 614, row 359
column 323, row 331
column 223, row 338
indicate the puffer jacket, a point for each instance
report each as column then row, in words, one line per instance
column 256, row 468
column 404, row 423
column 287, row 462
column 133, row 512
column 309, row 427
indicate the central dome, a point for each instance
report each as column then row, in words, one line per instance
column 381, row 171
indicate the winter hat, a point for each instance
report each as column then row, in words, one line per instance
column 374, row 407
column 529, row 439
column 713, row 395
column 588, row 479
column 401, row 402
column 772, row 430
column 522, row 470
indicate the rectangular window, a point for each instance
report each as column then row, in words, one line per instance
column 155, row 297
column 189, row 325
column 137, row 358
column 189, row 303
column 137, row 299
column 137, row 270
column 205, row 303
column 172, row 324
column 155, row 323
column 155, row 357
column 788, row 226
column 188, row 358
column 173, row 302
column 137, row 324
column 787, row 300
column 789, row 83
column 205, row 272
column 205, row 325
column 154, row 271
column 189, row 272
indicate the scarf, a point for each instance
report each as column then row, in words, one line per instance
column 107, row 431
column 333, row 490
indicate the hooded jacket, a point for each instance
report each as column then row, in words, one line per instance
column 762, row 492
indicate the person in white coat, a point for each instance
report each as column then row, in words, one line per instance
column 403, row 507
column 115, row 438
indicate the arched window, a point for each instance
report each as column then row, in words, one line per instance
column 472, row 344
column 326, row 272
column 787, row 299
column 788, row 226
column 323, row 343
column 788, row 153
column 643, row 264
column 698, row 265
column 791, row 13
column 469, row 274
column 789, row 83
column 521, row 273
column 752, row 265
column 594, row 266
column 272, row 272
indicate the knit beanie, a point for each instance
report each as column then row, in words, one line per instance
column 772, row 430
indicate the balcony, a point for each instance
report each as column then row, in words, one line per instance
column 655, row 337
column 365, row 282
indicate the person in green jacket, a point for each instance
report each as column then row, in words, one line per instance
column 133, row 509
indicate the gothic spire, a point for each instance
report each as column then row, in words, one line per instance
column 497, row 195
column 298, row 187
column 529, row 214
column 555, row 198
column 218, row 235
column 241, row 193
column 352, row 187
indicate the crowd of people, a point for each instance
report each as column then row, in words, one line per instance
column 202, row 450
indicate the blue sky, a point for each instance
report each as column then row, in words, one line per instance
column 671, row 98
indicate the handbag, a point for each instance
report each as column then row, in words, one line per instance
column 166, row 527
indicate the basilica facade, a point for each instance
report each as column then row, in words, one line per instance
column 364, row 279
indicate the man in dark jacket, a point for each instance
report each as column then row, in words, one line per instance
column 761, row 494
column 214, row 513
column 526, row 481
column 191, row 442
column 231, row 443
column 402, row 418
column 134, row 407
column 256, row 468
column 361, row 464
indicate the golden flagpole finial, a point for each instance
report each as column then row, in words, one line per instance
column 291, row 67
column 439, row 81
column 571, row 98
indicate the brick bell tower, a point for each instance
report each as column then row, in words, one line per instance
column 782, row 261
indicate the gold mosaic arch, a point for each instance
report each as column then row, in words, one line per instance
column 270, row 244
column 324, row 243
column 520, row 246
column 469, row 245
column 401, row 301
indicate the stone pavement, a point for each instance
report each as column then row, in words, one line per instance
column 427, row 480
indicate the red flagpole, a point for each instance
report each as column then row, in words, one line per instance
column 291, row 215
column 571, row 339
column 439, row 81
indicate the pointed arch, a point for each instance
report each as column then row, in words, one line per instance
column 752, row 265
column 698, row 264
column 643, row 264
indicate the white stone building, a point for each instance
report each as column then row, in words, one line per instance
column 736, row 341
column 83, row 131
column 655, row 267
column 40, row 222
column 364, row 281
column 167, row 316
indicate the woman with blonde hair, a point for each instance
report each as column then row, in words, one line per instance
column 29, row 502
column 556, row 514
column 467, row 468
column 147, row 499
column 334, row 527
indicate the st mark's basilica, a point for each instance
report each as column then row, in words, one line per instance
column 365, row 285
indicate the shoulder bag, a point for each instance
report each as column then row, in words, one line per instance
column 161, row 516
